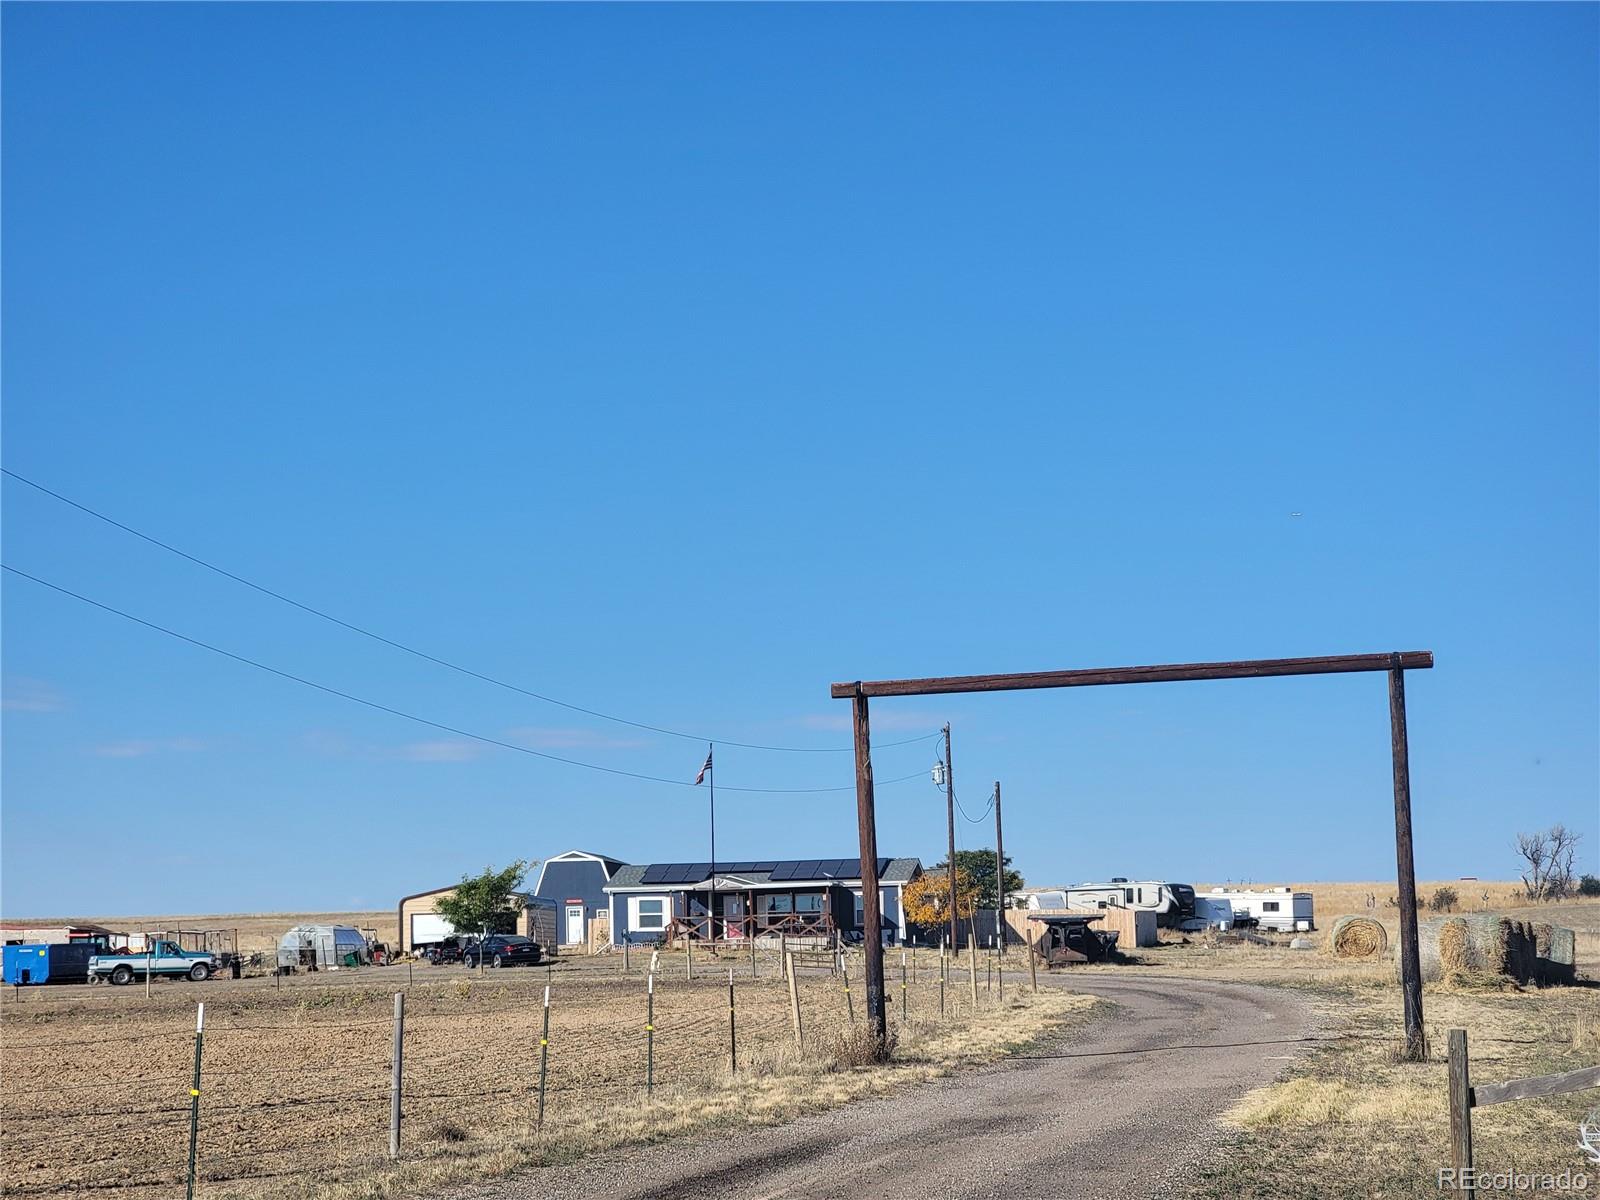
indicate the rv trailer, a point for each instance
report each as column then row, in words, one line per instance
column 1276, row 908
column 1173, row 903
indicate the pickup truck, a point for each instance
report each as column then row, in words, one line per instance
column 165, row 960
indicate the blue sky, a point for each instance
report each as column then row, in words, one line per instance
column 677, row 362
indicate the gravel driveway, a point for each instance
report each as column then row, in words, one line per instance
column 1122, row 1107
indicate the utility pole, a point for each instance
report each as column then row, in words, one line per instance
column 999, row 874
column 950, row 820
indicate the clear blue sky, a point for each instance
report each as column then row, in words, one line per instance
column 680, row 361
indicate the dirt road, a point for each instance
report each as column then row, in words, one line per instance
column 1123, row 1108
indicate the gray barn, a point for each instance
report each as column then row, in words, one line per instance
column 576, row 882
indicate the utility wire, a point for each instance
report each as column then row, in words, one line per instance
column 395, row 712
column 988, row 808
column 422, row 654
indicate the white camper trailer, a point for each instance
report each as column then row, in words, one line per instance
column 1273, row 908
column 1049, row 900
column 1209, row 913
column 1173, row 903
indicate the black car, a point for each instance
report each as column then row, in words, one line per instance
column 447, row 951
column 503, row 950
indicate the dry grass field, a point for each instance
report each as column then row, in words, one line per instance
column 257, row 931
column 94, row 1083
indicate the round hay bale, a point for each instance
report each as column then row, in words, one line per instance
column 1482, row 945
column 1455, row 948
column 1359, row 937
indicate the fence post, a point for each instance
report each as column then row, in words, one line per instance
column 650, row 1034
column 544, row 1058
column 849, row 1001
column 972, row 966
column 733, row 1034
column 688, row 956
column 1460, row 1113
column 755, row 973
column 1000, row 970
column 1033, row 962
column 794, row 998
column 905, row 1000
column 194, row 1091
column 627, row 956
column 395, row 1073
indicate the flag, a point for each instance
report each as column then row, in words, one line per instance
column 701, row 778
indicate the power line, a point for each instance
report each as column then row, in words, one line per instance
column 396, row 712
column 422, row 654
column 981, row 816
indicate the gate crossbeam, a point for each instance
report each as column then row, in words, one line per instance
column 1396, row 664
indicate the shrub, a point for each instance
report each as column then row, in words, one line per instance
column 857, row 1046
column 1444, row 899
column 1589, row 885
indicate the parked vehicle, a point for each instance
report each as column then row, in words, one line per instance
column 503, row 950
column 1173, row 903
column 164, row 960
column 448, row 950
column 1273, row 908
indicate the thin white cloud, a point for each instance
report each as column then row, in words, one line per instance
column 144, row 747
column 444, row 750
column 30, row 695
column 547, row 738
column 333, row 744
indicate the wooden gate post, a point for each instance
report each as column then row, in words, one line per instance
column 1460, row 1113
column 1416, row 1048
column 871, row 917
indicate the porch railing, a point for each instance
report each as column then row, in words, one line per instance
column 736, row 929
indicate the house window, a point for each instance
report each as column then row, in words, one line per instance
column 1269, row 906
column 649, row 912
column 808, row 902
column 779, row 903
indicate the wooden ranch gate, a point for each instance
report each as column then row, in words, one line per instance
column 1396, row 664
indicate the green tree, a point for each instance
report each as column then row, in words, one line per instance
column 484, row 900
column 978, row 865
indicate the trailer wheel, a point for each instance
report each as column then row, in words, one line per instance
column 199, row 972
column 121, row 974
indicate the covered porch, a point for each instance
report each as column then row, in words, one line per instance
column 736, row 910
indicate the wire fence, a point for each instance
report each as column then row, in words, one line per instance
column 299, row 1082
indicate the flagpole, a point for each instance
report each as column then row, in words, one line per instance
column 711, row 778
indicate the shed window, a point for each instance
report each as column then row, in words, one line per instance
column 649, row 912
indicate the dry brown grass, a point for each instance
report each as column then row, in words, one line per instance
column 93, row 1081
column 1353, row 1119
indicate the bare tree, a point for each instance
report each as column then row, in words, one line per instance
column 1559, row 877
column 1550, row 855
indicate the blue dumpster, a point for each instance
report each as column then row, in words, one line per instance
column 57, row 963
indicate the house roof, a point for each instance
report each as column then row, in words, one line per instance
column 757, row 873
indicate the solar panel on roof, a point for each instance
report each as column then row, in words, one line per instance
column 656, row 873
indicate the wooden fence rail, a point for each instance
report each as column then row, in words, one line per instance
column 1464, row 1098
